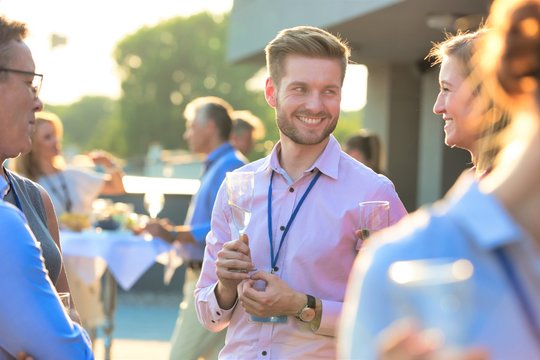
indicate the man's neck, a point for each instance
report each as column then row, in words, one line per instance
column 213, row 146
column 296, row 158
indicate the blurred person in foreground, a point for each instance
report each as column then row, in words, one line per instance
column 32, row 318
column 208, row 128
column 492, row 223
column 72, row 191
column 366, row 147
column 301, row 237
column 247, row 128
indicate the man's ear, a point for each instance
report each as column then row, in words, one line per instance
column 270, row 92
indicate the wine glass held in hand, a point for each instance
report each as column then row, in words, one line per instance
column 153, row 202
column 374, row 216
column 240, row 197
column 437, row 294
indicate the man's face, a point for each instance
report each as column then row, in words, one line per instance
column 307, row 99
column 243, row 141
column 18, row 103
column 199, row 133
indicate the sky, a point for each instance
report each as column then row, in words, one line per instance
column 85, row 65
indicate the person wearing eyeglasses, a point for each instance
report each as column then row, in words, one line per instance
column 32, row 318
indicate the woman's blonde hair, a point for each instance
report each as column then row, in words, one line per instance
column 27, row 164
column 509, row 61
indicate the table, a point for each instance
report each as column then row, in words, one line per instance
column 121, row 257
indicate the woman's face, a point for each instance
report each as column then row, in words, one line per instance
column 455, row 103
column 46, row 143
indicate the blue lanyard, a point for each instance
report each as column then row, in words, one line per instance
column 274, row 259
column 519, row 291
column 17, row 201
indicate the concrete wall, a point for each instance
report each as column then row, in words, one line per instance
column 431, row 142
column 392, row 111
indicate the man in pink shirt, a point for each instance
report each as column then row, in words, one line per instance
column 301, row 239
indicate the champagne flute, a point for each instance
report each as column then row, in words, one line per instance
column 374, row 216
column 240, row 197
column 437, row 293
column 153, row 202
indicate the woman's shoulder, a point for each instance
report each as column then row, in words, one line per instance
column 24, row 183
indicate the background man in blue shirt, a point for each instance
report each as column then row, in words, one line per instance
column 208, row 127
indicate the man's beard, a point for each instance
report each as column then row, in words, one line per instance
column 287, row 127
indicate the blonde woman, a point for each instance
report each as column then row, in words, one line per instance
column 493, row 224
column 72, row 191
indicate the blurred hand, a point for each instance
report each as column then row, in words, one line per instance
column 24, row 356
column 103, row 158
column 160, row 228
column 276, row 299
column 403, row 341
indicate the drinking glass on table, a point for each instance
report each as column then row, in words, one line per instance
column 374, row 216
column 436, row 293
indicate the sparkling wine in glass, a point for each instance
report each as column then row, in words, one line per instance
column 240, row 197
column 374, row 216
column 153, row 203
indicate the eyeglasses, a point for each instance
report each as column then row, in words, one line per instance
column 37, row 79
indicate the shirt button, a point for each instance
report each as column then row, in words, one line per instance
column 264, row 353
column 282, row 228
column 291, row 189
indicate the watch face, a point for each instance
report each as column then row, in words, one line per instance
column 307, row 314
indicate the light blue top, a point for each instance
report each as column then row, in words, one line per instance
column 223, row 159
column 467, row 224
column 32, row 318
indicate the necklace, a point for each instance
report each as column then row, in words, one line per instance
column 63, row 194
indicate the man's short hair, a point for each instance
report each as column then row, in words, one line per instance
column 304, row 41
column 10, row 30
column 245, row 120
column 212, row 108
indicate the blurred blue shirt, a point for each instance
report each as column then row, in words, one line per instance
column 32, row 318
column 223, row 159
column 468, row 224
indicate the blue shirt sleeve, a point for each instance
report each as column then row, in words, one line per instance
column 210, row 184
column 32, row 318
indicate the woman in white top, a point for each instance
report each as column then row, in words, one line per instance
column 72, row 191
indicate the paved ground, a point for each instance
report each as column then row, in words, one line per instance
column 144, row 323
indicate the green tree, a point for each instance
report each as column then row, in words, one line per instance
column 166, row 66
column 92, row 122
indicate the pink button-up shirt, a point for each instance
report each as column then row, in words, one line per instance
column 317, row 254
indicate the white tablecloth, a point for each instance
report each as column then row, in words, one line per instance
column 126, row 255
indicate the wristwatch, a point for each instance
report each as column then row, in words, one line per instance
column 307, row 313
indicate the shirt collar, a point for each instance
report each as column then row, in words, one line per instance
column 481, row 215
column 327, row 162
column 4, row 187
column 217, row 153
